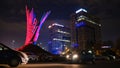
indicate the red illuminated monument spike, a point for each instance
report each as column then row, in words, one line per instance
column 33, row 27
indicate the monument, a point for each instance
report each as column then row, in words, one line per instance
column 33, row 27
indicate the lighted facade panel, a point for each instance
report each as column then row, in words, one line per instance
column 60, row 38
column 86, row 31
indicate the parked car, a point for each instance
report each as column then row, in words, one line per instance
column 111, row 55
column 9, row 56
column 85, row 56
column 24, row 57
column 32, row 57
column 100, row 57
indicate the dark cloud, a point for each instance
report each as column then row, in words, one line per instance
column 61, row 8
column 12, row 31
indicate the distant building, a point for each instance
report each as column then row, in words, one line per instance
column 118, row 43
column 107, row 45
column 117, row 47
column 60, row 38
column 86, row 31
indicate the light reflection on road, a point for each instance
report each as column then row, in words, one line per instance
column 57, row 65
column 50, row 66
column 45, row 66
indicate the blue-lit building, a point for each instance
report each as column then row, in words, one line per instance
column 60, row 38
column 86, row 30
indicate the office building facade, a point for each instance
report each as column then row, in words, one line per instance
column 60, row 38
column 86, row 30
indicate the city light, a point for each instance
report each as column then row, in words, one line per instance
column 61, row 40
column 75, row 45
column 67, row 56
column 55, row 24
column 49, row 26
column 105, row 46
column 89, row 51
column 80, row 24
column 80, row 18
column 81, row 10
column 75, row 56
column 62, row 32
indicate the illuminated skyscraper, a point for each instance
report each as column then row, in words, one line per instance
column 60, row 38
column 86, row 30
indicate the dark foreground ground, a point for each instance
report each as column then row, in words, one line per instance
column 98, row 64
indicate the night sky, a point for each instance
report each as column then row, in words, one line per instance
column 13, row 19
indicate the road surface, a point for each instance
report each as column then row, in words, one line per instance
column 59, row 65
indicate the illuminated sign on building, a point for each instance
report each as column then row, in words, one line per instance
column 105, row 46
column 80, row 24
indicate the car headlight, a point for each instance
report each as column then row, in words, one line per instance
column 67, row 56
column 24, row 57
column 75, row 56
column 114, row 57
column 90, row 51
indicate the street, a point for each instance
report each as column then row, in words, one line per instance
column 99, row 64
